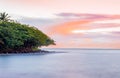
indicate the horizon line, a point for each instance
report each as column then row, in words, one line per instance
column 86, row 48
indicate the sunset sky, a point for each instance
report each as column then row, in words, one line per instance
column 71, row 23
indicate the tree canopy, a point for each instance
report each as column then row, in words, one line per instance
column 17, row 37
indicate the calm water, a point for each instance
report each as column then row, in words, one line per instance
column 74, row 63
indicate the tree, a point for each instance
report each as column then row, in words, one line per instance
column 4, row 16
column 17, row 37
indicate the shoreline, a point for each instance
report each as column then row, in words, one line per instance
column 32, row 52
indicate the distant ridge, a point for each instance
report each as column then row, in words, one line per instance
column 85, row 48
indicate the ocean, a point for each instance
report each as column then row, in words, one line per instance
column 65, row 63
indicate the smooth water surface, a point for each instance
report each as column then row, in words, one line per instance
column 71, row 63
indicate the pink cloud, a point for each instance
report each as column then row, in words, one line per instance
column 103, row 25
column 88, row 16
column 87, row 40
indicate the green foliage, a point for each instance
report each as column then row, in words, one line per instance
column 20, row 37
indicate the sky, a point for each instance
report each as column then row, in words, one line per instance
column 71, row 23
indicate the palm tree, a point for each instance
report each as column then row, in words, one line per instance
column 4, row 16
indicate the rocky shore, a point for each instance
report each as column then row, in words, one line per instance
column 31, row 52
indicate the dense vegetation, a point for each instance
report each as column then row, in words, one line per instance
column 17, row 37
